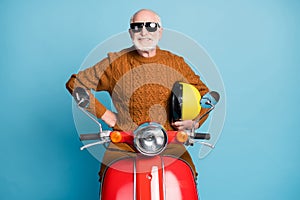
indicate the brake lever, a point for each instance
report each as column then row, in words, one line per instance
column 94, row 143
column 204, row 143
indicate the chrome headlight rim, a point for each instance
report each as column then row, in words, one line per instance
column 152, row 133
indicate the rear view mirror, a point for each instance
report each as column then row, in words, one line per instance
column 210, row 99
column 81, row 96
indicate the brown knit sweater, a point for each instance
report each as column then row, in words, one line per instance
column 140, row 87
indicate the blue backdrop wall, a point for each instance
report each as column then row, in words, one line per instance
column 255, row 45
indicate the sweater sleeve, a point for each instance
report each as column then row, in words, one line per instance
column 195, row 80
column 96, row 78
column 192, row 77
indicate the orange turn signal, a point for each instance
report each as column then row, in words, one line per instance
column 116, row 136
column 181, row 136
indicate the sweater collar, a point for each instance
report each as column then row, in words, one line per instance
column 140, row 58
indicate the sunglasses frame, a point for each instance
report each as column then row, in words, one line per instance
column 147, row 25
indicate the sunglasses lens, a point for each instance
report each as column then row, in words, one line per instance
column 136, row 27
column 151, row 26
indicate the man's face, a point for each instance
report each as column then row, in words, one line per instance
column 143, row 39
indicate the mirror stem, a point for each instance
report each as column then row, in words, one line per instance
column 91, row 117
column 199, row 117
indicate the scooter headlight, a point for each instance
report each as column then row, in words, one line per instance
column 150, row 139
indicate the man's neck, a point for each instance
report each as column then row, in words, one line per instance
column 147, row 54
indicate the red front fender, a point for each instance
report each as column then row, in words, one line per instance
column 149, row 178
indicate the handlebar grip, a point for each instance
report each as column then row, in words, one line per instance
column 202, row 136
column 89, row 136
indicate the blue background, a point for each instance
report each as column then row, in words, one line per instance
column 255, row 45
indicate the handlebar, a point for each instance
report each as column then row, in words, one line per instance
column 127, row 137
column 202, row 136
column 89, row 136
column 96, row 136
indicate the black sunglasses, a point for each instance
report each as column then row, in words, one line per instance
column 138, row 26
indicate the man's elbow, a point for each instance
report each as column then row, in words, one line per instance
column 70, row 85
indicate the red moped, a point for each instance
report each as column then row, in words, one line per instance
column 149, row 174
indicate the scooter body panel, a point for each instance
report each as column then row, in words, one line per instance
column 179, row 180
column 149, row 178
column 118, row 183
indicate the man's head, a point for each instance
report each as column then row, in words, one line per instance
column 145, row 30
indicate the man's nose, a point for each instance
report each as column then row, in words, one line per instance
column 144, row 31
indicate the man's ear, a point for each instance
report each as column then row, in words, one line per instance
column 160, row 32
column 130, row 33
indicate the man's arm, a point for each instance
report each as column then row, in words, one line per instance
column 195, row 80
column 95, row 78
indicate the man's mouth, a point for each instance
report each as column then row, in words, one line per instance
column 145, row 39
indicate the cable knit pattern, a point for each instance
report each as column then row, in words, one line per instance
column 140, row 87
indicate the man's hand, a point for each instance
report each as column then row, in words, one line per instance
column 184, row 125
column 109, row 118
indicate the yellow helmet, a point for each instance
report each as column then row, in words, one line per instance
column 185, row 102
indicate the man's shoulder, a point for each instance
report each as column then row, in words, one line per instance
column 168, row 53
column 114, row 55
